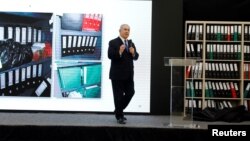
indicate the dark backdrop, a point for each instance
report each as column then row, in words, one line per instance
column 168, row 18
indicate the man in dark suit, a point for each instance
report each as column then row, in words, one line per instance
column 122, row 53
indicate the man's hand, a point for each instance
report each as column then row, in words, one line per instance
column 122, row 48
column 132, row 51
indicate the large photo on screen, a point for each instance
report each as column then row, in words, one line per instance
column 79, row 39
column 80, row 35
column 64, row 51
column 78, row 80
column 25, row 54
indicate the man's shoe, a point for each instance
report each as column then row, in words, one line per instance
column 124, row 118
column 121, row 121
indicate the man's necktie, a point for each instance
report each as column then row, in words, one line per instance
column 126, row 45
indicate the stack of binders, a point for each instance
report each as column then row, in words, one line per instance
column 222, row 89
column 21, row 34
column 78, row 45
column 16, row 81
column 194, row 50
column 223, row 51
column 195, row 32
column 222, row 70
column 223, row 32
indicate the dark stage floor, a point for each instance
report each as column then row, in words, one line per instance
column 93, row 126
column 97, row 120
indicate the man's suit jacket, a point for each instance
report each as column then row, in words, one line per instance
column 122, row 66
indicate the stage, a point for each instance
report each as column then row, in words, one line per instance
column 95, row 126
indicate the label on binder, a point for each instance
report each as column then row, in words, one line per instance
column 83, row 41
column 34, row 71
column 23, row 74
column 2, row 80
column 74, row 41
column 10, row 74
column 87, row 40
column 41, row 88
column 49, row 80
column 28, row 71
column 39, row 36
column 34, row 35
column 23, row 41
column 69, row 41
column 16, row 76
column 17, row 35
column 95, row 40
column 39, row 70
column 1, row 64
column 64, row 45
column 91, row 41
column 1, row 33
column 79, row 41
column 29, row 34
column 10, row 32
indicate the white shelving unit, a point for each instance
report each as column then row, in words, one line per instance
column 222, row 72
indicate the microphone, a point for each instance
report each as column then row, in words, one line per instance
column 131, row 43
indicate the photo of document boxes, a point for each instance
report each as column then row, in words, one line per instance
column 80, row 80
column 25, row 54
column 80, row 36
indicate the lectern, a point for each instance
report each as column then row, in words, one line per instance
column 181, row 106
